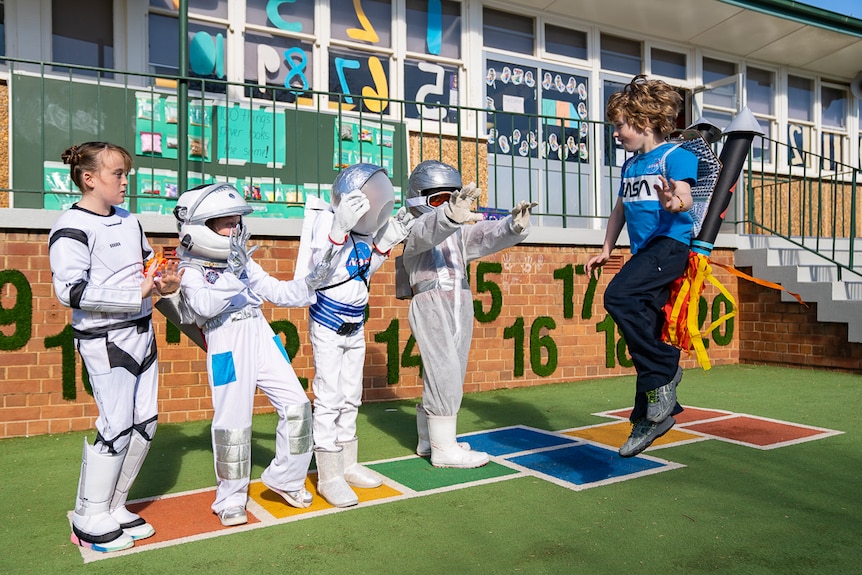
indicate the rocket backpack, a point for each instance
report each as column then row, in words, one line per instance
column 708, row 169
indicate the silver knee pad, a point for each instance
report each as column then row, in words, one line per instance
column 232, row 450
column 298, row 418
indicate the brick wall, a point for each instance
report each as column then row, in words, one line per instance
column 787, row 333
column 37, row 396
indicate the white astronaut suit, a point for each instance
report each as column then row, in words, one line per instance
column 357, row 232
column 97, row 264
column 224, row 288
column 436, row 254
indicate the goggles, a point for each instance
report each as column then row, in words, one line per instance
column 434, row 200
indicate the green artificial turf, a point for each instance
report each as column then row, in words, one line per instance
column 732, row 509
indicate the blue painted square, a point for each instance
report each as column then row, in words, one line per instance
column 584, row 463
column 514, row 440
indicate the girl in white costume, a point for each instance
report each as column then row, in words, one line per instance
column 223, row 288
column 436, row 254
column 97, row 254
column 358, row 233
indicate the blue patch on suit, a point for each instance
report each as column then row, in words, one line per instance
column 222, row 368
column 212, row 276
column 280, row 347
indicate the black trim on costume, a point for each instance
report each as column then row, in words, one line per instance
column 144, row 255
column 120, row 358
column 141, row 323
column 76, row 294
column 141, row 427
column 110, row 213
column 110, row 444
column 89, row 538
column 71, row 233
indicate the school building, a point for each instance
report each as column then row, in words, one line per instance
column 276, row 96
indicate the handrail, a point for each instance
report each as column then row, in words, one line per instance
column 812, row 203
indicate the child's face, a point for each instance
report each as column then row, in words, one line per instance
column 108, row 184
column 224, row 225
column 631, row 139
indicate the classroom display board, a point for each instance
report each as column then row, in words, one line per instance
column 536, row 112
column 275, row 156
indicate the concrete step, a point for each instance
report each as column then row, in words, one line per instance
column 837, row 301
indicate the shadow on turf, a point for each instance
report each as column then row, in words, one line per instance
column 398, row 420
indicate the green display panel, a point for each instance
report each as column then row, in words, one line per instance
column 275, row 156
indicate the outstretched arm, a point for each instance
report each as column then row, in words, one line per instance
column 615, row 226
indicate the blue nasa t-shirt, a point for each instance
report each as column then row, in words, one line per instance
column 646, row 219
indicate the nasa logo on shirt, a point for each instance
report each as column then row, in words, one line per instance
column 211, row 276
column 359, row 260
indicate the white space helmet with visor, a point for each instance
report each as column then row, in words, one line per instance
column 431, row 184
column 199, row 205
column 374, row 183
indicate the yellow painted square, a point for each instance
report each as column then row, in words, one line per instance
column 279, row 508
column 615, row 434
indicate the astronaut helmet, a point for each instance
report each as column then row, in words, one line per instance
column 195, row 208
column 373, row 181
column 431, row 184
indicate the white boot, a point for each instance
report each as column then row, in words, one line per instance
column 330, row 478
column 92, row 524
column 357, row 475
column 132, row 523
column 445, row 451
column 423, row 448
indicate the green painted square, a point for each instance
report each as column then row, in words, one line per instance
column 418, row 474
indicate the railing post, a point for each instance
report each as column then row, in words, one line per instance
column 852, row 234
column 183, row 101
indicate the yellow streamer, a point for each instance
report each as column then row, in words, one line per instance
column 690, row 289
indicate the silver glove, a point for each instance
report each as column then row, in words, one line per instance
column 240, row 253
column 320, row 273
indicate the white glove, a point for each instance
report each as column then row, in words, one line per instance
column 348, row 213
column 320, row 273
column 461, row 203
column 395, row 231
column 521, row 216
column 239, row 251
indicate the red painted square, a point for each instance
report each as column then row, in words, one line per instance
column 181, row 516
column 688, row 415
column 753, row 430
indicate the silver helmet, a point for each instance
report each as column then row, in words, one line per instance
column 199, row 205
column 373, row 181
column 430, row 175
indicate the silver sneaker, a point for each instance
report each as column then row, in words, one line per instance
column 301, row 498
column 233, row 516
column 644, row 432
column 662, row 400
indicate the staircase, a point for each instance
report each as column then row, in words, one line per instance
column 809, row 274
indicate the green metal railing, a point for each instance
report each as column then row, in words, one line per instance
column 280, row 144
column 814, row 205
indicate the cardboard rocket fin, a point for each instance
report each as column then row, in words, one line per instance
column 171, row 308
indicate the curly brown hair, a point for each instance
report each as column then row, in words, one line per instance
column 646, row 103
column 86, row 157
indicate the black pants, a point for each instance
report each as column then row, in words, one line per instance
column 634, row 299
